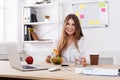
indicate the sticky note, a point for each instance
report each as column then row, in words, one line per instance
column 81, row 16
column 82, row 6
column 77, row 13
column 101, row 4
column 96, row 22
column 80, row 21
column 91, row 22
column 103, row 9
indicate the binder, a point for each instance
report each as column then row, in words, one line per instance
column 26, row 38
column 27, row 34
column 27, row 16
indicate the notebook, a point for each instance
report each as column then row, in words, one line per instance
column 15, row 62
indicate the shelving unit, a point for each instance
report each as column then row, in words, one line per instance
column 44, row 30
column 47, row 31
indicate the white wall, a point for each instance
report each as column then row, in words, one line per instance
column 100, row 39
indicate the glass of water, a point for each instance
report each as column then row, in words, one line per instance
column 78, row 58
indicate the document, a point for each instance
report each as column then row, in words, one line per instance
column 97, row 71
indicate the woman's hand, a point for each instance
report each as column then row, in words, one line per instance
column 83, row 61
column 48, row 59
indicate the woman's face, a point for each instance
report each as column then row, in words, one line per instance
column 70, row 27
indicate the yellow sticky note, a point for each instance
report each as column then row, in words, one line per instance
column 101, row 4
column 82, row 6
column 77, row 13
column 96, row 22
column 80, row 21
column 90, row 22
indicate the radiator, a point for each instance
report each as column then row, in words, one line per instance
column 106, row 60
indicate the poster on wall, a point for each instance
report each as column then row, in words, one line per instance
column 92, row 14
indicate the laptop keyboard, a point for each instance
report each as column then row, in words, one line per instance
column 28, row 67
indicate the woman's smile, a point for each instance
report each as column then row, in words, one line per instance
column 70, row 27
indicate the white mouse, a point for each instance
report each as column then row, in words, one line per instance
column 54, row 69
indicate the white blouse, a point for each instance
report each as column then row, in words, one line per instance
column 71, row 51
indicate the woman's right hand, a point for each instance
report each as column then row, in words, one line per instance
column 83, row 61
column 48, row 59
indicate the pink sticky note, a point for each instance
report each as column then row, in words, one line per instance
column 81, row 16
column 103, row 10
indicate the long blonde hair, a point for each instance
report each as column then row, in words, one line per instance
column 62, row 45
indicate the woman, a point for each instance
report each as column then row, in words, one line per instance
column 72, row 42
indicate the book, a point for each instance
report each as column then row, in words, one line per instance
column 29, row 34
column 34, row 35
column 30, row 29
column 33, row 18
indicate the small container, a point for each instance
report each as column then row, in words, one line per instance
column 47, row 18
column 94, row 59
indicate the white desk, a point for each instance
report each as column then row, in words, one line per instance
column 7, row 71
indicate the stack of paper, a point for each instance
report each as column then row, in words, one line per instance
column 97, row 71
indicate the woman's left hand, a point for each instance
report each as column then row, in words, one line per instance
column 83, row 61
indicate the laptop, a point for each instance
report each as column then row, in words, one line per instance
column 15, row 62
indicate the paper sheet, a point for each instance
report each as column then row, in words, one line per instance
column 97, row 71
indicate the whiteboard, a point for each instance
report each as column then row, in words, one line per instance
column 93, row 14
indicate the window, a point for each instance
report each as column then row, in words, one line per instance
column 1, row 19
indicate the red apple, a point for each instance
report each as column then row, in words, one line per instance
column 48, row 59
column 29, row 60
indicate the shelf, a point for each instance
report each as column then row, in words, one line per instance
column 44, row 5
column 46, row 30
column 38, row 23
column 40, row 41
